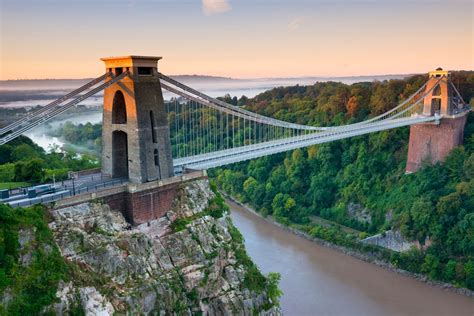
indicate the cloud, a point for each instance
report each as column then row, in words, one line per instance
column 295, row 24
column 210, row 7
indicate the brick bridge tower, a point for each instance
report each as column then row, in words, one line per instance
column 135, row 132
column 432, row 142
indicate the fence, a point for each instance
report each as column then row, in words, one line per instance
column 52, row 197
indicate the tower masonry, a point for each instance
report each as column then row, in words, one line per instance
column 135, row 132
column 432, row 142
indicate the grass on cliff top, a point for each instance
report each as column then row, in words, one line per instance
column 13, row 185
column 32, row 286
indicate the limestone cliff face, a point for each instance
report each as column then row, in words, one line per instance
column 182, row 263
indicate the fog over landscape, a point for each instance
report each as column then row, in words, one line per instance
column 28, row 93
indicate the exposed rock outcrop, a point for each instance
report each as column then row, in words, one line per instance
column 392, row 240
column 183, row 263
column 359, row 213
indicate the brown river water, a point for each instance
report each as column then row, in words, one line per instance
column 320, row 281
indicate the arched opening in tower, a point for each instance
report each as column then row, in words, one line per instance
column 119, row 155
column 435, row 105
column 119, row 110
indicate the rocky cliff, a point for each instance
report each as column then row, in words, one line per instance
column 191, row 261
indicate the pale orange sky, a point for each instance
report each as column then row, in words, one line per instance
column 243, row 39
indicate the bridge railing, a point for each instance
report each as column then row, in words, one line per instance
column 66, row 192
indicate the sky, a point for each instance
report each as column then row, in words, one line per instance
column 236, row 38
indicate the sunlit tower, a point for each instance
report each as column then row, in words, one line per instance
column 135, row 132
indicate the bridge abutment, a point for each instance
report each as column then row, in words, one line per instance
column 139, row 203
column 431, row 143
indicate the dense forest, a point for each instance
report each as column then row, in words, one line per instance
column 327, row 182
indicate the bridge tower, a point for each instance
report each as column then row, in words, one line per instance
column 432, row 142
column 135, row 132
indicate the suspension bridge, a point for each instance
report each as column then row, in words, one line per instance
column 146, row 138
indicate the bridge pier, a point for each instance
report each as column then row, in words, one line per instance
column 431, row 143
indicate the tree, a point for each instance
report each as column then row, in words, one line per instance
column 32, row 170
column 352, row 106
column 469, row 167
column 454, row 163
column 469, row 272
column 430, row 266
column 23, row 152
column 421, row 214
column 5, row 154
column 253, row 190
column 450, row 271
column 282, row 205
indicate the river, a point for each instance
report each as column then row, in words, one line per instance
column 317, row 280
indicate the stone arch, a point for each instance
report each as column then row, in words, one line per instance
column 119, row 109
column 119, row 154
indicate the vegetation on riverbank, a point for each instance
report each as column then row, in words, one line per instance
column 434, row 206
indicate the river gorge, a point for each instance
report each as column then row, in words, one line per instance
column 319, row 281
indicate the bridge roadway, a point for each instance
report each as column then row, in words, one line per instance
column 228, row 156
column 96, row 182
column 88, row 183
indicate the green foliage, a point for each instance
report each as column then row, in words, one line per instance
column 273, row 291
column 85, row 135
column 33, row 286
column 56, row 174
column 433, row 206
column 31, row 170
column 30, row 163
column 180, row 224
column 7, row 172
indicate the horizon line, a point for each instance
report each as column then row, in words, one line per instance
column 245, row 78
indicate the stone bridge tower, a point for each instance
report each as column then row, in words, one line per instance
column 432, row 142
column 135, row 132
